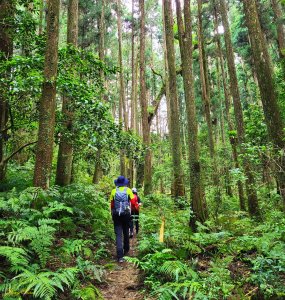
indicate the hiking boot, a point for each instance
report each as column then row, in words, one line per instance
column 121, row 260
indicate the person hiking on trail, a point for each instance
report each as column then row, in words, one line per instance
column 135, row 207
column 121, row 214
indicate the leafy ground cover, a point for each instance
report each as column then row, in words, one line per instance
column 52, row 243
column 231, row 257
column 58, row 244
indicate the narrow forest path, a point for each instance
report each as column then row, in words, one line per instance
column 123, row 280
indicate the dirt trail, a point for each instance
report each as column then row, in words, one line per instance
column 123, row 282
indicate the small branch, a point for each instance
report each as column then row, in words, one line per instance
column 156, row 103
column 156, row 73
column 5, row 160
column 5, row 129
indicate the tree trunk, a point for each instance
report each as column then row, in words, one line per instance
column 7, row 8
column 65, row 151
column 122, row 104
column 144, row 105
column 267, row 88
column 44, row 151
column 228, row 116
column 122, row 83
column 198, row 204
column 205, row 96
column 41, row 17
column 178, row 185
column 98, row 173
column 278, row 16
column 250, row 183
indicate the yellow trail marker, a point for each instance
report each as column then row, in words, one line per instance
column 161, row 232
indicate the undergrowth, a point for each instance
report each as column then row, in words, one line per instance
column 52, row 241
column 229, row 257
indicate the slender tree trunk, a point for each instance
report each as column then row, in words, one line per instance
column 250, row 182
column 7, row 8
column 133, row 66
column 65, row 151
column 41, row 16
column 98, row 168
column 227, row 97
column 198, row 204
column 267, row 88
column 178, row 185
column 278, row 16
column 144, row 105
column 205, row 96
column 133, row 70
column 44, row 151
column 166, row 73
column 122, row 103
column 122, row 83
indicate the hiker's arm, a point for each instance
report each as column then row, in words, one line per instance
column 112, row 200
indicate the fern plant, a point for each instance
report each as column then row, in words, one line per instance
column 74, row 247
column 17, row 257
column 43, row 285
column 89, row 270
column 41, row 239
column 89, row 292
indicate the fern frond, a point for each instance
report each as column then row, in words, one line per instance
column 18, row 257
column 73, row 247
column 48, row 222
column 56, row 207
column 41, row 239
column 44, row 284
column 176, row 269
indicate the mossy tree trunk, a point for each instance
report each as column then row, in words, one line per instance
column 98, row 172
column 206, row 101
column 267, row 89
column 7, row 8
column 198, row 204
column 278, row 16
column 178, row 185
column 250, row 181
column 144, row 104
column 227, row 97
column 44, row 152
column 122, row 104
column 65, row 151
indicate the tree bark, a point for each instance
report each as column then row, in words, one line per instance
column 178, row 185
column 98, row 173
column 198, row 203
column 227, row 98
column 278, row 16
column 123, row 109
column 144, row 105
column 267, row 88
column 7, row 8
column 250, row 182
column 206, row 99
column 44, row 151
column 65, row 151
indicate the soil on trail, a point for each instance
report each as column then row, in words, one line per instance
column 122, row 281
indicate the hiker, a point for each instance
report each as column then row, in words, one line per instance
column 135, row 207
column 121, row 214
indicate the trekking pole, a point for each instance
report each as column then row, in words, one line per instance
column 161, row 231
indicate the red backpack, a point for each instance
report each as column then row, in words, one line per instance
column 135, row 207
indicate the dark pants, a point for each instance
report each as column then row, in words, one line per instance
column 134, row 220
column 121, row 226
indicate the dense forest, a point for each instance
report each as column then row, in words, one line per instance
column 184, row 98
